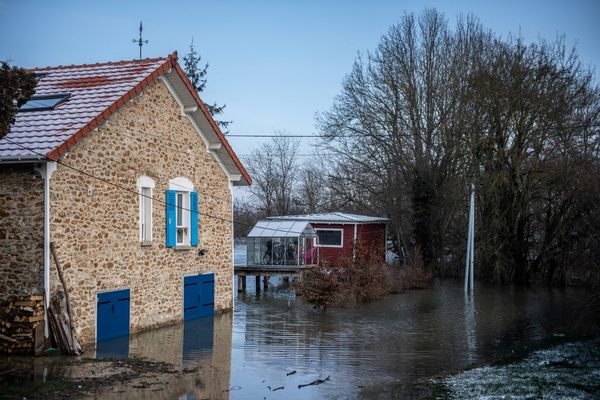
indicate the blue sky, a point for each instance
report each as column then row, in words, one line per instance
column 274, row 63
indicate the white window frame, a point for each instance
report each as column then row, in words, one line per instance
column 183, row 187
column 145, row 215
column 316, row 241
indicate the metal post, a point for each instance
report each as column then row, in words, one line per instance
column 469, row 262
column 472, row 258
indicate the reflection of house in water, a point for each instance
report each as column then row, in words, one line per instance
column 203, row 343
column 200, row 349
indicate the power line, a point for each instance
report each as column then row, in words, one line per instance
column 135, row 191
column 258, row 135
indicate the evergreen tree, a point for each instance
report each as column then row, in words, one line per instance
column 17, row 85
column 196, row 73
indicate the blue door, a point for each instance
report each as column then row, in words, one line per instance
column 112, row 315
column 198, row 296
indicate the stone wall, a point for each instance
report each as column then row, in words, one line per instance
column 95, row 225
column 21, row 231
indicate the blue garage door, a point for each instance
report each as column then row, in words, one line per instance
column 198, row 296
column 112, row 314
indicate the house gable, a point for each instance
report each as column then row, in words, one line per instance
column 95, row 92
column 95, row 225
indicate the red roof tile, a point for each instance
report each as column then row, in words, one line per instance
column 97, row 91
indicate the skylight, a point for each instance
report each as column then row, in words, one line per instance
column 44, row 103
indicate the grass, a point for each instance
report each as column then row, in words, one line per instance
column 567, row 371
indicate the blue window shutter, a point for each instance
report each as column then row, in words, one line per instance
column 194, row 218
column 171, row 202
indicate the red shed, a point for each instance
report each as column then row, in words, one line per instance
column 341, row 234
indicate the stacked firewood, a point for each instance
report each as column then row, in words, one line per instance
column 22, row 325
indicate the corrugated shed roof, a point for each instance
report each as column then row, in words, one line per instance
column 96, row 92
column 333, row 217
column 268, row 228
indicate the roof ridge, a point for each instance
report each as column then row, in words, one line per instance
column 121, row 62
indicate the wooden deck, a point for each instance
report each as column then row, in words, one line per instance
column 242, row 271
column 269, row 269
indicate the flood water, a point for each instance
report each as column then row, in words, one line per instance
column 392, row 342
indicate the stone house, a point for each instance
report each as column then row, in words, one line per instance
column 122, row 168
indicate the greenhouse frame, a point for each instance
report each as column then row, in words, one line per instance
column 277, row 243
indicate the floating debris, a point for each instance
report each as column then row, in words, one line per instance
column 316, row 382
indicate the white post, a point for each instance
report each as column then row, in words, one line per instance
column 472, row 230
column 469, row 262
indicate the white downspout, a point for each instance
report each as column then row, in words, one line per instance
column 46, row 171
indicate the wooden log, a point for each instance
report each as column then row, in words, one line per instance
column 7, row 338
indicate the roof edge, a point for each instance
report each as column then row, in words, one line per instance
column 169, row 63
column 213, row 124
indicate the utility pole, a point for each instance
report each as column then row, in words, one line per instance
column 469, row 263
column 139, row 41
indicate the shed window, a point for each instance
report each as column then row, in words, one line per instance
column 330, row 237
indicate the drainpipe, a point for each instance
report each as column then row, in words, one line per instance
column 46, row 170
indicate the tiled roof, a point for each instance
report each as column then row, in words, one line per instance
column 96, row 92
column 333, row 217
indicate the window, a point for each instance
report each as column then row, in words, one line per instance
column 43, row 103
column 181, row 214
column 183, row 220
column 145, row 187
column 330, row 237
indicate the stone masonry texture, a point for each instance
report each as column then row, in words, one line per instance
column 95, row 225
column 21, row 231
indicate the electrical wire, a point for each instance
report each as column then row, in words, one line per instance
column 135, row 191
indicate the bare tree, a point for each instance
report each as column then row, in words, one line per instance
column 313, row 194
column 418, row 117
column 537, row 136
column 397, row 127
column 274, row 169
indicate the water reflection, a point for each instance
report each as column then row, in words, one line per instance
column 470, row 326
column 392, row 342
column 116, row 348
column 197, row 341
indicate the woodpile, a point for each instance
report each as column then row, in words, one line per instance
column 22, row 325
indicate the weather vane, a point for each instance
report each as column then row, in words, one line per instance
column 139, row 41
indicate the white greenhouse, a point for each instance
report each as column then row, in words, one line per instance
column 274, row 243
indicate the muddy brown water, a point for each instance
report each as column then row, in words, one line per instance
column 274, row 340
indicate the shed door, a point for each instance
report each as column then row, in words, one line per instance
column 112, row 314
column 198, row 296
